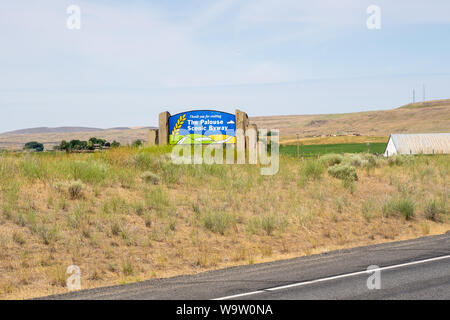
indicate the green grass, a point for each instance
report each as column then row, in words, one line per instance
column 217, row 222
column 399, row 206
column 319, row 149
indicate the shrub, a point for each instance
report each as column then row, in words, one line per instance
column 115, row 144
column 217, row 222
column 116, row 229
column 352, row 159
column 349, row 184
column 343, row 172
column 268, row 223
column 75, row 189
column 369, row 162
column 139, row 208
column 127, row 268
column 433, row 210
column 150, row 177
column 137, row 143
column 399, row 206
column 312, row 170
column 34, row 146
column 406, row 208
column 331, row 159
column 396, row 160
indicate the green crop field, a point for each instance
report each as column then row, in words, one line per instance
column 311, row 150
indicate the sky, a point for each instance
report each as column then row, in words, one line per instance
column 132, row 59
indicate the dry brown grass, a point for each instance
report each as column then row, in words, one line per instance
column 432, row 116
column 124, row 229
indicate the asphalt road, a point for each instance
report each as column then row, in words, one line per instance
column 413, row 269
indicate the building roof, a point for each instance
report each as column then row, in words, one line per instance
column 426, row 143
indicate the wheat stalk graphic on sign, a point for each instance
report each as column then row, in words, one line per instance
column 178, row 125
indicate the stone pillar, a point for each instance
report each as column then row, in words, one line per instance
column 241, row 120
column 153, row 137
column 252, row 144
column 241, row 140
column 163, row 128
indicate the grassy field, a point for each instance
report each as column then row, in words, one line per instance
column 319, row 149
column 129, row 214
column 292, row 140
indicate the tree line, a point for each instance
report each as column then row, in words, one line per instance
column 79, row 145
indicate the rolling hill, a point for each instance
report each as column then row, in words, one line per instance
column 428, row 116
column 52, row 136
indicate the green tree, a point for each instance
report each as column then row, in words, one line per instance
column 137, row 143
column 100, row 142
column 33, row 145
column 78, row 145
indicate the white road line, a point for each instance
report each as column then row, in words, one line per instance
column 299, row 284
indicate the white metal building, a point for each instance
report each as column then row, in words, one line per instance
column 418, row 143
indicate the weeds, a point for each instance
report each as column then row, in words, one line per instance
column 367, row 209
column 267, row 223
column 311, row 170
column 158, row 199
column 75, row 190
column 331, row 159
column 217, row 222
column 57, row 276
column 343, row 172
column 18, row 238
column 150, row 177
column 399, row 206
column 434, row 210
column 127, row 268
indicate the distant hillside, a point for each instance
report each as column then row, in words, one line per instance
column 52, row 130
column 16, row 141
column 427, row 104
column 429, row 116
